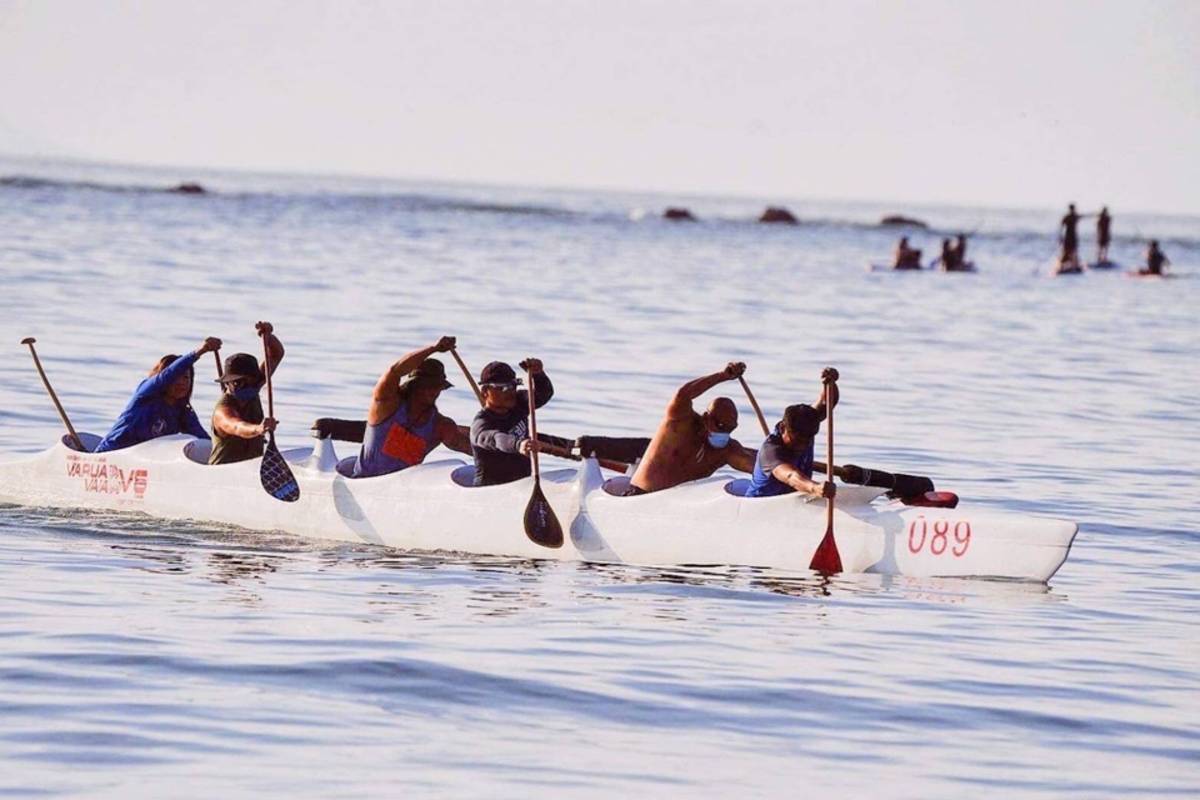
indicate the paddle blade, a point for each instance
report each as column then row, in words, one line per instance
column 827, row 560
column 541, row 525
column 276, row 476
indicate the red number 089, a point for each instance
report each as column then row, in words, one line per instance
column 938, row 540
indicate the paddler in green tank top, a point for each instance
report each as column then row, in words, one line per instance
column 238, row 423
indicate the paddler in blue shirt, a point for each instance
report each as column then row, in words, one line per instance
column 785, row 460
column 162, row 403
column 238, row 422
column 403, row 422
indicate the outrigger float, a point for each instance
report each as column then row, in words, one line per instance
column 434, row 507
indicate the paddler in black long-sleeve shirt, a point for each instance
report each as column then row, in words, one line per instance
column 500, row 431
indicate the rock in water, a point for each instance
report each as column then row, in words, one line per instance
column 902, row 221
column 678, row 213
column 779, row 214
column 189, row 188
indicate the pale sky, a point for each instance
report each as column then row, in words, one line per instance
column 989, row 103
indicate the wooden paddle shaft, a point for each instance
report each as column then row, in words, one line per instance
column 220, row 369
column 37, row 362
column 467, row 374
column 533, row 453
column 754, row 404
column 829, row 452
column 267, row 365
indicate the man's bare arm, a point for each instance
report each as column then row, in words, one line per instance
column 386, row 397
column 741, row 458
column 455, row 437
column 681, row 403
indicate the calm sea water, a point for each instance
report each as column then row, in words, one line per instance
column 165, row 660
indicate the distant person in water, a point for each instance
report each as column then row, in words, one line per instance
column 238, row 422
column 403, row 422
column 785, row 460
column 960, row 252
column 1103, row 235
column 1069, row 226
column 947, row 256
column 906, row 257
column 1155, row 260
column 687, row 445
column 162, row 403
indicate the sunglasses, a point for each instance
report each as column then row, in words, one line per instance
column 501, row 387
column 722, row 428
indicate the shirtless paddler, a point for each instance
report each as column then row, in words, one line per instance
column 688, row 445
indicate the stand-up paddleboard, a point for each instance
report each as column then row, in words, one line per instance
column 1103, row 265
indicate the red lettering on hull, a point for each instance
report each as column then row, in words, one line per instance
column 940, row 541
column 97, row 476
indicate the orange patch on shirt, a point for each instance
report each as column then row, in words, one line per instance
column 404, row 445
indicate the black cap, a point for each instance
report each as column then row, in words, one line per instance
column 431, row 371
column 498, row 372
column 241, row 366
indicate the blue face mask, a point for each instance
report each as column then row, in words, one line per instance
column 718, row 439
column 245, row 394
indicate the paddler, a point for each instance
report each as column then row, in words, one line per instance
column 958, row 254
column 403, row 422
column 688, row 446
column 1155, row 260
column 162, row 403
column 1103, row 235
column 500, row 431
column 785, row 460
column 947, row 257
column 906, row 257
column 238, row 422
column 1070, row 234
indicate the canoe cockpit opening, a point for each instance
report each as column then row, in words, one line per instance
column 617, row 486
column 737, row 487
column 198, row 450
column 345, row 467
column 90, row 440
column 464, row 476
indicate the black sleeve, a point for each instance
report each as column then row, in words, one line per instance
column 543, row 390
column 485, row 435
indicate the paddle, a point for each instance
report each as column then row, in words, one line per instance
column 541, row 525
column 826, row 559
column 50, row 389
column 276, row 476
column 467, row 374
column 754, row 404
column 220, row 369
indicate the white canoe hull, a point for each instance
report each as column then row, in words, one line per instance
column 425, row 508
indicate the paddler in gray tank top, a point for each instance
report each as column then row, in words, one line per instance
column 238, row 423
column 403, row 422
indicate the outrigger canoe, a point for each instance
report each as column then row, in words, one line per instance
column 434, row 507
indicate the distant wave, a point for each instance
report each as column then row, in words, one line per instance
column 405, row 201
column 457, row 203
